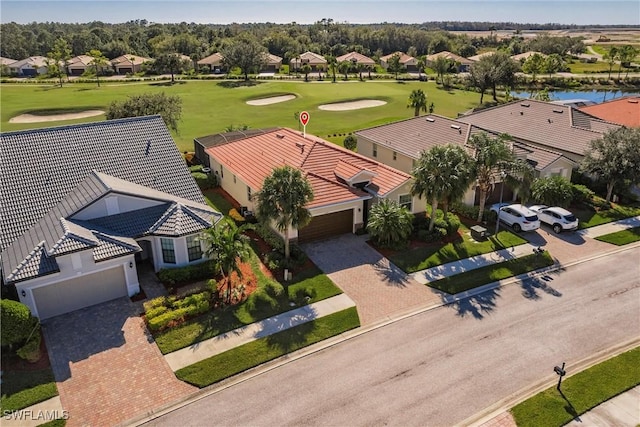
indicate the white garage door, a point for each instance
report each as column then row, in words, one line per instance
column 80, row 292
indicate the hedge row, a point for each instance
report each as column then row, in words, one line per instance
column 164, row 310
column 188, row 274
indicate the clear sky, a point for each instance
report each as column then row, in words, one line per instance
column 581, row 12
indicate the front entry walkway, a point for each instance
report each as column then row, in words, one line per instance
column 380, row 289
column 107, row 367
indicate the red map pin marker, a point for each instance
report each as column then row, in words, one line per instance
column 304, row 118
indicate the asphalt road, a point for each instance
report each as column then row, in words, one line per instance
column 444, row 365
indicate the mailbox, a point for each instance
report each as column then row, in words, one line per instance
column 559, row 371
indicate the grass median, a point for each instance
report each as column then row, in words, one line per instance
column 580, row 392
column 622, row 237
column 481, row 276
column 239, row 359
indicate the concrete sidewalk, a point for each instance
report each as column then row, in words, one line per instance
column 35, row 415
column 611, row 227
column 237, row 337
column 622, row 410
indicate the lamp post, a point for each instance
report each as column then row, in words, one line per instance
column 502, row 176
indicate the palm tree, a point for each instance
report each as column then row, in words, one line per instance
column 611, row 58
column 491, row 155
column 332, row 65
column 344, row 68
column 227, row 246
column 441, row 66
column 282, row 199
column 306, row 69
column 389, row 224
column 360, row 67
column 417, row 101
column 422, row 64
column 443, row 173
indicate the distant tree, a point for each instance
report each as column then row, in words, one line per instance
column 417, row 101
column 614, row 158
column 421, row 64
column 350, row 142
column 480, row 75
column 502, row 71
column 99, row 61
column 441, row 66
column 344, row 68
column 360, row 68
column 390, row 224
column 534, row 65
column 167, row 106
column 627, row 54
column 332, row 65
column 611, row 57
column 552, row 191
column 244, row 52
column 57, row 59
column 305, row 69
column 553, row 63
column 394, row 65
column 171, row 62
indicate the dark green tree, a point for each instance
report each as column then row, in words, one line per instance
column 350, row 142
column 99, row 61
column 244, row 52
column 552, row 191
column 394, row 65
column 390, row 224
column 169, row 107
column 17, row 322
column 417, row 101
column 57, row 59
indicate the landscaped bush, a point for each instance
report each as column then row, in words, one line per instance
column 31, row 350
column 17, row 322
column 453, row 224
column 269, row 236
column 184, row 275
column 173, row 309
column 205, row 181
column 582, row 194
column 195, row 168
column 470, row 212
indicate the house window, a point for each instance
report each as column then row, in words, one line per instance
column 221, row 172
column 406, row 201
column 168, row 252
column 375, row 150
column 395, row 156
column 234, row 179
column 248, row 193
column 193, row 248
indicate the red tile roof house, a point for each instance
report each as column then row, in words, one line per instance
column 79, row 64
column 315, row 61
column 96, row 199
column 463, row 63
column 128, row 64
column 214, row 62
column 408, row 62
column 345, row 184
column 623, row 111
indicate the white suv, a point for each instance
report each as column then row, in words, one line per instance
column 558, row 218
column 518, row 217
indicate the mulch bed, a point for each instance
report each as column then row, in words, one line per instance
column 11, row 362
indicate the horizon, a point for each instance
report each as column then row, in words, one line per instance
column 305, row 12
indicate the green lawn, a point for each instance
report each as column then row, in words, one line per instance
column 623, row 237
column 481, row 276
column 239, row 359
column 598, row 67
column 589, row 217
column 417, row 259
column 210, row 106
column 217, row 201
column 25, row 388
column 582, row 392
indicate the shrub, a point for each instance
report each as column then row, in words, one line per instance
column 441, row 223
column 453, row 224
column 17, row 322
column 31, row 350
column 188, row 274
column 274, row 289
column 582, row 194
column 155, row 312
column 195, row 168
column 205, row 181
column 174, row 309
column 350, row 142
column 269, row 236
column 162, row 321
column 432, row 236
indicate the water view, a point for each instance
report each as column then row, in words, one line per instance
column 596, row 96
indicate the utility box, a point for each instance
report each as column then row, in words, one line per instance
column 479, row 233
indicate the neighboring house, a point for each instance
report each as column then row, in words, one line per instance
column 522, row 57
column 128, row 64
column 357, row 58
column 401, row 143
column 214, row 62
column 462, row 64
column 409, row 63
column 272, row 64
column 84, row 203
column 623, row 111
column 315, row 61
column 30, row 67
column 5, row 63
column 79, row 64
column 344, row 183
column 478, row 57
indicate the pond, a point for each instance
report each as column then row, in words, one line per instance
column 596, row 96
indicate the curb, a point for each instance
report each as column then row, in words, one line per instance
column 525, row 393
column 331, row 342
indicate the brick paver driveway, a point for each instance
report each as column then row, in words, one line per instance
column 379, row 289
column 107, row 367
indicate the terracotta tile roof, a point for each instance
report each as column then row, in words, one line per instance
column 624, row 111
column 480, row 56
column 129, row 60
column 450, row 56
column 310, row 58
column 273, row 59
column 412, row 136
column 253, row 158
column 558, row 127
column 348, row 171
column 356, row 57
column 80, row 61
column 213, row 59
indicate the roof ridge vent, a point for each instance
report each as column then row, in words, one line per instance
column 431, row 119
column 633, row 101
column 456, row 127
column 280, row 135
column 556, row 110
column 525, row 105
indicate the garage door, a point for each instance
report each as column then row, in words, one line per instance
column 326, row 226
column 80, row 292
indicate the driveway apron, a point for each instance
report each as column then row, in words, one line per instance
column 380, row 289
column 107, row 367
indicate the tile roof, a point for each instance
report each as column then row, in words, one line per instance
column 404, row 58
column 624, row 111
column 450, row 56
column 129, row 60
column 6, row 61
column 310, row 58
column 222, row 138
column 356, row 57
column 526, row 55
column 480, row 56
column 80, row 61
column 133, row 223
column 33, row 61
column 179, row 220
column 36, row 263
column 412, row 136
column 558, row 127
column 213, row 59
column 75, row 238
column 113, row 247
column 253, row 158
column 538, row 157
column 272, row 59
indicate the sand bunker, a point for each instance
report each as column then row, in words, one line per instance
column 271, row 100
column 37, row 118
column 353, row 105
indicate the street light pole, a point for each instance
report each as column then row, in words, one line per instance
column 502, row 175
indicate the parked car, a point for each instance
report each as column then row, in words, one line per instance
column 558, row 218
column 518, row 217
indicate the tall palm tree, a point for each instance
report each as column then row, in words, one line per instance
column 282, row 199
column 417, row 101
column 344, row 68
column 441, row 66
column 306, row 69
column 227, row 246
column 443, row 173
column 611, row 56
column 389, row 224
column 332, row 65
column 422, row 64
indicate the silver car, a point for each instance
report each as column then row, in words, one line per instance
column 518, row 217
column 558, row 218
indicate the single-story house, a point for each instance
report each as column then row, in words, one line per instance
column 478, row 57
column 272, row 64
column 463, row 64
column 345, row 184
column 357, row 58
column 522, row 57
column 83, row 204
column 623, row 111
column 409, row 63
column 5, row 63
column 315, row 61
column 30, row 67
column 128, row 64
column 79, row 64
column 214, row 62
